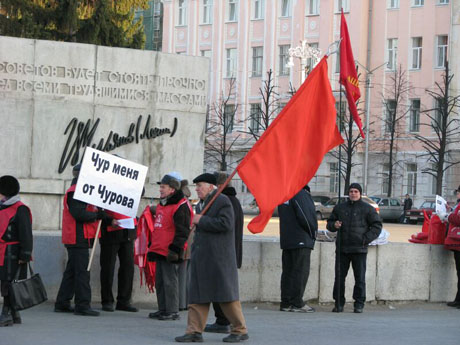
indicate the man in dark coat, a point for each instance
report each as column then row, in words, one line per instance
column 15, row 243
column 213, row 272
column 298, row 227
column 407, row 206
column 222, row 325
column 358, row 224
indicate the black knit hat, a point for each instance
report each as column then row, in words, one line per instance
column 206, row 177
column 356, row 186
column 9, row 186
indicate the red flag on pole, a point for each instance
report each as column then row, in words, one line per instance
column 290, row 151
column 348, row 75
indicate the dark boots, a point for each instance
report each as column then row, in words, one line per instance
column 16, row 316
column 6, row 319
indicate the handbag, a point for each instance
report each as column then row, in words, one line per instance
column 26, row 293
column 454, row 233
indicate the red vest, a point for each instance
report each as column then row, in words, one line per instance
column 69, row 224
column 5, row 218
column 452, row 244
column 164, row 228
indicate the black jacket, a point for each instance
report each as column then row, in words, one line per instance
column 407, row 204
column 361, row 224
column 298, row 223
column 230, row 192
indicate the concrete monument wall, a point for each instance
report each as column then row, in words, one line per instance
column 56, row 98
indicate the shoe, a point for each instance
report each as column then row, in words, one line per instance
column 183, row 309
column 190, row 338
column 86, row 312
column 16, row 316
column 6, row 320
column 169, row 316
column 358, row 310
column 235, row 338
column 285, row 308
column 216, row 328
column 156, row 314
column 305, row 309
column 67, row 309
column 454, row 304
column 128, row 307
column 108, row 307
column 337, row 309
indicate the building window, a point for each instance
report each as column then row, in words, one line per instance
column 312, row 7
column 206, row 53
column 443, row 2
column 259, row 9
column 411, row 178
column 434, row 180
column 232, row 10
column 257, row 59
column 342, row 4
column 333, row 178
column 207, row 12
column 337, row 62
column 309, row 65
column 416, row 53
column 281, row 106
column 390, row 108
column 385, row 178
column 256, row 117
column 414, row 121
column 284, row 58
column 341, row 109
column 229, row 115
column 285, row 8
column 417, row 2
column 392, row 53
column 182, row 17
column 231, row 62
column 437, row 119
column 441, row 51
column 393, row 3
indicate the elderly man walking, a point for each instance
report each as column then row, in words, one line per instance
column 213, row 271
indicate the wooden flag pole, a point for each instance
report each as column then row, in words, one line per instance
column 94, row 245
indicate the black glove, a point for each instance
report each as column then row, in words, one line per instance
column 100, row 214
column 172, row 257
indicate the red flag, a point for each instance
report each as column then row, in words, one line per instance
column 348, row 75
column 290, row 151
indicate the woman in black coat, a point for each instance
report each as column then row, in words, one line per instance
column 15, row 243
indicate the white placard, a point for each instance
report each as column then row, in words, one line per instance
column 440, row 205
column 126, row 223
column 110, row 182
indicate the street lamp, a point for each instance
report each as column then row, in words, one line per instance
column 303, row 52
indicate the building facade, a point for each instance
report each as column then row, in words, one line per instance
column 409, row 38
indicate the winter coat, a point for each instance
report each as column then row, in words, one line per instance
column 230, row 192
column 19, row 230
column 407, row 204
column 454, row 220
column 298, row 223
column 213, row 276
column 361, row 224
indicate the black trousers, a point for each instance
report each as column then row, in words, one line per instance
column 358, row 262
column 167, row 286
column 220, row 317
column 457, row 266
column 294, row 277
column 108, row 257
column 75, row 281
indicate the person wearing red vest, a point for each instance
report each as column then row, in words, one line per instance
column 79, row 226
column 170, row 232
column 15, row 243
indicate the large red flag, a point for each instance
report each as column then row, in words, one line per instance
column 290, row 151
column 348, row 75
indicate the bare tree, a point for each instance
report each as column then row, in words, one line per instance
column 220, row 137
column 444, row 123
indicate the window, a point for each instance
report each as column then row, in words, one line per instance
column 385, row 177
column 392, row 53
column 310, row 63
column 393, row 3
column 281, row 107
column 207, row 12
column 342, row 4
column 312, row 7
column 411, row 178
column 418, row 2
column 283, row 59
column 337, row 62
column 416, row 53
column 441, row 51
column 256, row 117
column 182, row 18
column 206, row 53
column 390, row 109
column 232, row 10
column 414, row 121
column 333, row 177
column 434, row 180
column 231, row 62
column 341, row 112
column 437, row 121
column 443, row 2
column 257, row 59
column 285, row 8
column 394, row 202
column 384, row 202
column 229, row 114
column 259, row 9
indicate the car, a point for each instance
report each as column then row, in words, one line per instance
column 322, row 199
column 253, row 210
column 415, row 215
column 391, row 209
column 324, row 211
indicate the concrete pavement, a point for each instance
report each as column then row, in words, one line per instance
column 410, row 323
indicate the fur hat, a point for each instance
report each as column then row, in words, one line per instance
column 221, row 177
column 184, row 188
column 172, row 179
column 356, row 186
column 206, row 177
column 9, row 186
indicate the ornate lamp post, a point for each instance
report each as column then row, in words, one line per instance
column 304, row 52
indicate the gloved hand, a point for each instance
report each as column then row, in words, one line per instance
column 100, row 214
column 172, row 257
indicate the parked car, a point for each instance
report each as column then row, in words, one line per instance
column 324, row 211
column 322, row 199
column 415, row 215
column 253, row 210
column 390, row 208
